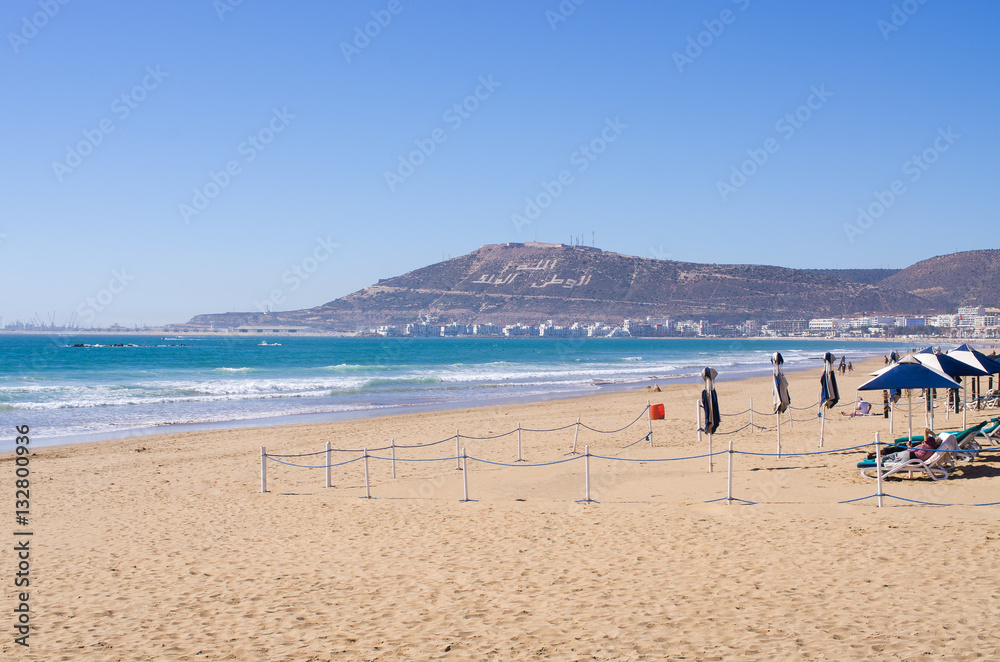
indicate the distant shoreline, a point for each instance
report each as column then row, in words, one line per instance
column 979, row 342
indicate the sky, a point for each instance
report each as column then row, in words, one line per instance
column 163, row 159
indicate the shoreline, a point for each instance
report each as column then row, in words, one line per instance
column 403, row 409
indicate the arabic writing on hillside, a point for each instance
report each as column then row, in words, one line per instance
column 510, row 272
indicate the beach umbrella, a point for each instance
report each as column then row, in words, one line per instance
column 829, row 394
column 977, row 360
column 780, row 390
column 950, row 366
column 710, row 407
column 909, row 373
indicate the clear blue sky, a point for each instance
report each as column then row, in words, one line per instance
column 104, row 231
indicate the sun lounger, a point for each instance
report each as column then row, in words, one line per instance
column 936, row 466
column 966, row 440
column 990, row 434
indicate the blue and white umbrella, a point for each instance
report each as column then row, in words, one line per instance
column 977, row 360
column 951, row 366
column 909, row 373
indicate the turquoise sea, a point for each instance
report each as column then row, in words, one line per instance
column 74, row 388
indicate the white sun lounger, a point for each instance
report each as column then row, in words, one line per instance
column 936, row 466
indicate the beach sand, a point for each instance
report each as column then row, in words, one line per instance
column 163, row 547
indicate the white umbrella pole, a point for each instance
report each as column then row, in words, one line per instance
column 778, row 416
column 892, row 410
column 822, row 424
column 909, row 414
column 964, row 424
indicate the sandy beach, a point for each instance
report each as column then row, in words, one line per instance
column 163, row 547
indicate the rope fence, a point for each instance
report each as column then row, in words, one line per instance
column 463, row 459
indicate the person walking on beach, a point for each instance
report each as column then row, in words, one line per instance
column 850, row 367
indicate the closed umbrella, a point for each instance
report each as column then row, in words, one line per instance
column 908, row 373
column 781, row 397
column 710, row 407
column 829, row 394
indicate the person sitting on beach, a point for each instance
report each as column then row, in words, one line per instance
column 861, row 408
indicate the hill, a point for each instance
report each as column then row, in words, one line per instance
column 949, row 281
column 532, row 282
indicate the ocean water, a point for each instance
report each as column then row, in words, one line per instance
column 73, row 388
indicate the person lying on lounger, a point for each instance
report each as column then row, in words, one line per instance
column 922, row 451
column 861, row 408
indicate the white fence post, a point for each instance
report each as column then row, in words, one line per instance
column 519, row 459
column 729, row 483
column 465, row 475
column 586, row 471
column 878, row 468
column 649, row 419
column 458, row 451
column 392, row 446
column 263, row 470
column 751, row 416
column 697, row 418
column 576, row 435
column 329, row 469
column 368, row 486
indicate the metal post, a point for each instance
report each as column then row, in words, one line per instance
column 458, row 452
column 263, row 470
column 392, row 445
column 878, row 468
column 368, row 485
column 519, row 459
column 822, row 425
column 729, row 486
column 751, row 416
column 329, row 469
column 586, row 471
column 576, row 435
column 711, row 458
column 465, row 476
column 892, row 411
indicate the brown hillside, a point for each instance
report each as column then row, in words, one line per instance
column 534, row 282
column 949, row 281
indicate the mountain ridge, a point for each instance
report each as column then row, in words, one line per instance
column 532, row 282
